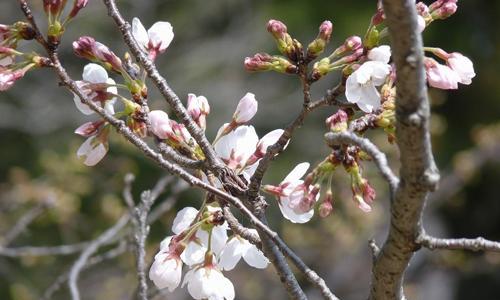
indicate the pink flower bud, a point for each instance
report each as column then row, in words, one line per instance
column 338, row 121
column 9, row 77
column 107, row 56
column 87, row 47
column 277, row 29
column 325, row 31
column 160, row 124
column 379, row 15
column 246, row 109
column 89, row 128
column 198, row 108
column 326, row 207
column 440, row 76
column 84, row 47
column 77, row 6
column 259, row 62
column 445, row 11
column 266, row 62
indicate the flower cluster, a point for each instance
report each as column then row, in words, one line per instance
column 200, row 241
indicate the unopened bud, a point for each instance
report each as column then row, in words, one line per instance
column 445, row 11
column 53, row 7
column 338, row 121
column 320, row 68
column 286, row 45
column 326, row 207
column 90, row 128
column 246, row 109
column 266, row 62
column 379, row 16
column 24, row 30
column 277, row 29
column 77, row 6
column 317, row 46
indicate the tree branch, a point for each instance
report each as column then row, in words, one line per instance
column 101, row 240
column 477, row 244
column 418, row 172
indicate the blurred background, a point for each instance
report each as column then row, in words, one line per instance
column 39, row 167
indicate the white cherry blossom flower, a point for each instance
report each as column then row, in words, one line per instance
column 95, row 74
column 361, row 85
column 208, row 282
column 166, row 270
column 237, row 147
column 238, row 248
column 198, row 108
column 440, row 76
column 463, row 66
column 288, row 190
column 156, row 40
column 93, row 150
column 160, row 124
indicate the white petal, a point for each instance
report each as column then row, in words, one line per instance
column 183, row 219
column 94, row 73
column 161, row 34
column 381, row 53
column 243, row 141
column 139, row 32
column 255, row 258
column 166, row 273
column 194, row 280
column 193, row 254
column 166, row 242
column 352, row 89
column 82, row 107
column 231, row 254
column 246, row 109
column 297, row 172
column 370, row 99
column 270, row 139
column 92, row 150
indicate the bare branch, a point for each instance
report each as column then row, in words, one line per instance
column 172, row 155
column 43, row 250
column 477, row 244
column 418, row 172
column 101, row 240
column 25, row 220
column 366, row 145
column 239, row 229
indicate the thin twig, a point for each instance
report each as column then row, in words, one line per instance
column 477, row 244
column 25, row 220
column 101, row 240
column 43, row 250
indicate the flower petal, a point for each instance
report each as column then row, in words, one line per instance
column 139, row 33
column 183, row 219
column 297, row 172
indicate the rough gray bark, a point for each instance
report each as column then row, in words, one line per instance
column 418, row 173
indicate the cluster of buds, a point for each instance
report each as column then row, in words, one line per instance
column 10, row 35
column 88, row 48
column 349, row 52
column 362, row 192
column 54, row 9
column 289, row 47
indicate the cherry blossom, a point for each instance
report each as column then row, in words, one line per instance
column 463, row 66
column 160, row 124
column 361, row 84
column 9, row 77
column 267, row 140
column 93, row 150
column 237, row 147
column 440, row 76
column 238, row 248
column 156, row 40
column 166, row 270
column 197, row 245
column 97, row 86
column 208, row 282
column 289, row 189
